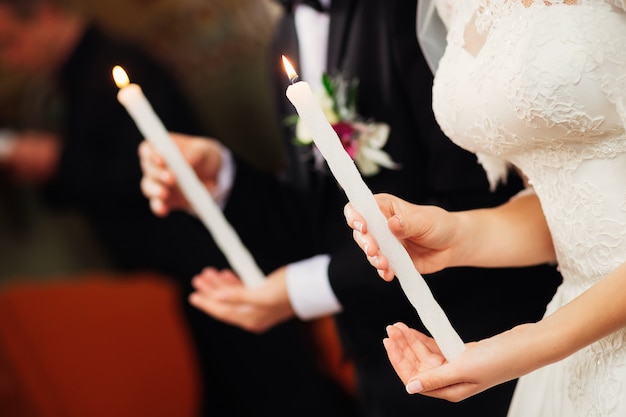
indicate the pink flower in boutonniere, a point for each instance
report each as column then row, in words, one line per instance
column 348, row 136
column 362, row 140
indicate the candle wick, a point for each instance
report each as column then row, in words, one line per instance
column 294, row 79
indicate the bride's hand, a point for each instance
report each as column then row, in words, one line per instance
column 428, row 233
column 423, row 369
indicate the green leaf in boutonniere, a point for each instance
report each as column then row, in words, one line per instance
column 362, row 140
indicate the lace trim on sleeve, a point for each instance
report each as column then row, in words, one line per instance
column 497, row 169
column 619, row 4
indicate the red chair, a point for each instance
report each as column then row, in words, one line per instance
column 97, row 346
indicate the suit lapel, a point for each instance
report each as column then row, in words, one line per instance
column 342, row 12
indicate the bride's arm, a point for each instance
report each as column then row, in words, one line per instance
column 596, row 313
column 513, row 234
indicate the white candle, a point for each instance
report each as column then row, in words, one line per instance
column 151, row 127
column 348, row 176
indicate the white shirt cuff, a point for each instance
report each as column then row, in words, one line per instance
column 225, row 178
column 309, row 289
column 8, row 139
column 312, row 28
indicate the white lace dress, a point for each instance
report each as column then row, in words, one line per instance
column 542, row 86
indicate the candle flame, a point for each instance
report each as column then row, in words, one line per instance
column 120, row 77
column 291, row 73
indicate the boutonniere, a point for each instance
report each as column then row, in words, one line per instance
column 362, row 139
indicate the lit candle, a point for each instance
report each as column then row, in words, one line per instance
column 348, row 176
column 151, row 127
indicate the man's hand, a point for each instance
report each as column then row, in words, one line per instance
column 158, row 183
column 223, row 296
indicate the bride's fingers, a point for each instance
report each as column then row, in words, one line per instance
column 366, row 243
column 421, row 345
column 380, row 262
column 396, row 226
column 354, row 219
column 382, row 266
column 402, row 343
column 401, row 357
column 369, row 246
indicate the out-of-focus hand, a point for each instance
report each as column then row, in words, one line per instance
column 223, row 296
column 428, row 233
column 33, row 157
column 158, row 183
column 422, row 367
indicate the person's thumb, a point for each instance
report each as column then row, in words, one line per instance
column 441, row 382
column 398, row 226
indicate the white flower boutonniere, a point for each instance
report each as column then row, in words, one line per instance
column 362, row 139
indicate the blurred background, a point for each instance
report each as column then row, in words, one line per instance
column 75, row 340
column 216, row 48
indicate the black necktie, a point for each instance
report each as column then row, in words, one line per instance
column 315, row 4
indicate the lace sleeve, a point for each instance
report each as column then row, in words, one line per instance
column 496, row 169
column 618, row 96
column 620, row 5
column 613, row 65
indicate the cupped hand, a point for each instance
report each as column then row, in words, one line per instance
column 428, row 233
column 423, row 369
column 158, row 183
column 223, row 296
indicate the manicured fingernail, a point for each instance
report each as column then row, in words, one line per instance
column 399, row 219
column 376, row 261
column 414, row 387
column 358, row 226
column 365, row 248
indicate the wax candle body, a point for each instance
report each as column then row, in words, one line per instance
column 151, row 127
column 348, row 176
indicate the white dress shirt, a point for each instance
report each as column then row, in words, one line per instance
column 308, row 286
column 309, row 289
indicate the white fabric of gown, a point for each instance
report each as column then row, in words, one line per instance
column 542, row 86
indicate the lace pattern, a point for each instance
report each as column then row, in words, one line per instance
column 596, row 376
column 545, row 90
column 489, row 11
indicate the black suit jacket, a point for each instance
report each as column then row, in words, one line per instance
column 100, row 173
column 99, row 169
column 375, row 41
